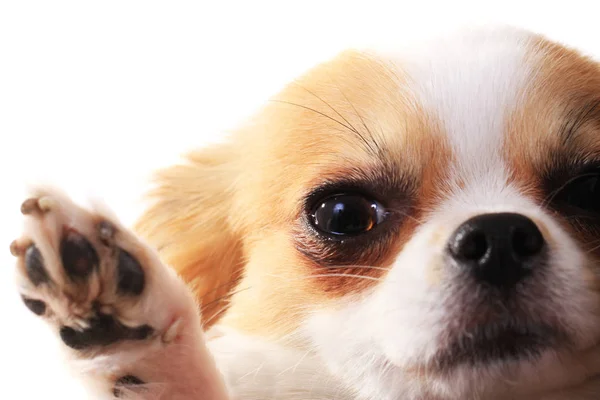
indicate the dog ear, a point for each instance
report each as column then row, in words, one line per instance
column 188, row 223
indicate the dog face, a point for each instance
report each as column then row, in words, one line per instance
column 427, row 219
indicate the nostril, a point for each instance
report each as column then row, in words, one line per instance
column 473, row 247
column 527, row 242
column 498, row 249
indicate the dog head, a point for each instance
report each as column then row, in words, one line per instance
column 427, row 218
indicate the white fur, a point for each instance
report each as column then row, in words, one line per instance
column 257, row 369
column 471, row 82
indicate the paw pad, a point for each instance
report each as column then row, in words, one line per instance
column 103, row 331
column 34, row 265
column 131, row 278
column 79, row 257
column 37, row 307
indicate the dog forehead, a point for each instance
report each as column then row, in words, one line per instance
column 501, row 99
column 471, row 82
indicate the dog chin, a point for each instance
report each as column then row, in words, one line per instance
column 497, row 362
column 506, row 342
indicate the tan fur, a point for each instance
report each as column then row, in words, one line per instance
column 189, row 224
column 249, row 191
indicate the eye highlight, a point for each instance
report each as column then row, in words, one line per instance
column 346, row 214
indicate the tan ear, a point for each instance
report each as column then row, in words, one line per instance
column 188, row 223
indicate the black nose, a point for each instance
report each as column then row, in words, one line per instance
column 498, row 249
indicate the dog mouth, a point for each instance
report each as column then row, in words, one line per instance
column 498, row 342
column 488, row 326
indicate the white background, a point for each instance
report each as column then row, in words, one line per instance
column 95, row 94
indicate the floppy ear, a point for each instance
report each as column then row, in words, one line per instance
column 189, row 224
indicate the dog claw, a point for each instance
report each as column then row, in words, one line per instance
column 41, row 205
column 46, row 204
column 15, row 249
column 29, row 206
column 172, row 332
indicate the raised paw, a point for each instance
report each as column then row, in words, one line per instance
column 106, row 294
column 83, row 274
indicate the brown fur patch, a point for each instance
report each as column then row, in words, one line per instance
column 548, row 124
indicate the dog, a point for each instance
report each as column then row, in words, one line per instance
column 418, row 222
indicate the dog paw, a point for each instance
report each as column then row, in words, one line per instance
column 88, row 277
column 106, row 295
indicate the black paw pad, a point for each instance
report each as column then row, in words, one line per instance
column 37, row 307
column 131, row 278
column 34, row 266
column 128, row 380
column 79, row 257
column 103, row 331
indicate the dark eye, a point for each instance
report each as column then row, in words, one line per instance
column 582, row 193
column 347, row 214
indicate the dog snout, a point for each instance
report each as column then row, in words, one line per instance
column 498, row 249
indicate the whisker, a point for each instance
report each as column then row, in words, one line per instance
column 412, row 217
column 295, row 366
column 569, row 129
column 313, row 110
column 214, row 316
column 555, row 192
column 360, row 135
column 594, row 248
column 352, row 128
column 340, row 275
column 231, row 282
column 359, row 267
column 228, row 295
column 362, row 120
column 346, row 125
